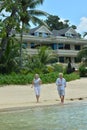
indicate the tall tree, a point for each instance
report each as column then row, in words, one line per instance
column 54, row 23
column 21, row 13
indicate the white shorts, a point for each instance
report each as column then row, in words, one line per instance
column 37, row 90
column 61, row 92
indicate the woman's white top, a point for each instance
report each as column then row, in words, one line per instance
column 62, row 82
column 37, row 82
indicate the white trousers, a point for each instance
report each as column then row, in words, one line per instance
column 37, row 90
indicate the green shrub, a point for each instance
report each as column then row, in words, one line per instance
column 50, row 68
column 83, row 70
column 16, row 79
column 58, row 67
column 27, row 79
column 72, row 76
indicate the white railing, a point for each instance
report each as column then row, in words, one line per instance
column 52, row 39
column 59, row 52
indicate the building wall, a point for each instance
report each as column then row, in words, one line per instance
column 66, row 48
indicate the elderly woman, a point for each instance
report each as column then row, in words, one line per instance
column 61, row 84
column 37, row 83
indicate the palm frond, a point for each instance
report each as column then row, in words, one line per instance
column 35, row 3
column 85, row 33
column 36, row 20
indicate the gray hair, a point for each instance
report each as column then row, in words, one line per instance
column 60, row 74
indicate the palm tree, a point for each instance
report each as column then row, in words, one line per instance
column 10, row 59
column 29, row 14
column 22, row 12
column 45, row 55
column 39, row 62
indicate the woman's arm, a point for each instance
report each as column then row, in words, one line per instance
column 40, row 82
column 32, row 84
column 58, row 83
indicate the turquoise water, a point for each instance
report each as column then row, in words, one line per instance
column 66, row 117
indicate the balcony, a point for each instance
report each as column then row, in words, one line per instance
column 51, row 39
column 60, row 52
column 71, row 53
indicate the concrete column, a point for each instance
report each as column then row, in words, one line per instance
column 72, row 60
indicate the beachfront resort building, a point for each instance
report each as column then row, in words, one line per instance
column 65, row 42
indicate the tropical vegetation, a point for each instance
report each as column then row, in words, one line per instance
column 20, row 14
column 82, row 55
column 55, row 23
column 22, row 79
column 16, row 67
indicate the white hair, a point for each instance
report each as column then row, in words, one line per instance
column 60, row 74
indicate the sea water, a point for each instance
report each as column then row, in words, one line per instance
column 59, row 117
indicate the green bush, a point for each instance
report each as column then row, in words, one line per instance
column 58, row 67
column 16, row 79
column 72, row 76
column 27, row 79
column 83, row 70
column 50, row 68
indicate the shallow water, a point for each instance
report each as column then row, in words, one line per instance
column 66, row 117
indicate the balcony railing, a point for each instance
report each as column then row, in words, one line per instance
column 61, row 52
column 52, row 39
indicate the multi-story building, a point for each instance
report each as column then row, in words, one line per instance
column 65, row 42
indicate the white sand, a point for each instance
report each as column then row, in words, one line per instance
column 24, row 96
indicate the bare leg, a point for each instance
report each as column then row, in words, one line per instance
column 62, row 99
column 37, row 97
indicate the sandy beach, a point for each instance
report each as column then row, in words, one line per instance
column 18, row 96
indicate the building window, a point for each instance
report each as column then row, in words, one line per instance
column 67, row 46
column 32, row 45
column 54, row 46
column 67, row 34
column 40, row 34
column 68, row 59
column 60, row 46
column 77, row 47
column 61, row 59
column 45, row 35
column 36, row 34
column 24, row 45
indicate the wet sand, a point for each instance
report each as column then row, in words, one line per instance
column 20, row 96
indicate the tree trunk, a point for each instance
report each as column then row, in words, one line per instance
column 9, row 27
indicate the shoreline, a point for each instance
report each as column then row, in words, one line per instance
column 19, row 97
column 23, row 108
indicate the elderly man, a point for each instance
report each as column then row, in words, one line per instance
column 61, row 84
